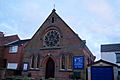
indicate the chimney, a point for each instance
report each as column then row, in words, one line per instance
column 84, row 41
column 1, row 34
column 1, row 38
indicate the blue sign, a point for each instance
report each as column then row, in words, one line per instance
column 78, row 62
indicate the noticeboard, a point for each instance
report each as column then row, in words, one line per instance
column 25, row 66
column 78, row 62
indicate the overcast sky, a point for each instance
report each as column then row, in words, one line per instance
column 96, row 21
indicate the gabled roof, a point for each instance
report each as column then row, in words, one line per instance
column 8, row 39
column 54, row 13
column 103, row 62
column 87, row 49
column 19, row 42
column 83, row 41
column 110, row 47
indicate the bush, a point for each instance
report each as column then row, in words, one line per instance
column 18, row 78
column 51, row 79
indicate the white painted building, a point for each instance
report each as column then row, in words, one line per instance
column 111, row 53
column 102, row 70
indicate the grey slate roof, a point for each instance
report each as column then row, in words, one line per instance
column 110, row 47
column 96, row 62
column 19, row 42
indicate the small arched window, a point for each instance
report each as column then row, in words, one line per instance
column 52, row 19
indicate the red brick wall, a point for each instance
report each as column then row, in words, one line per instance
column 14, row 57
column 69, row 43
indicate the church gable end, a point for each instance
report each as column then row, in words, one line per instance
column 56, row 44
column 55, row 24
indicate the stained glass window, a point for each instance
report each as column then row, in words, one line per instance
column 51, row 38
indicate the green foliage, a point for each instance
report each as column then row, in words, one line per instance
column 26, row 78
column 18, row 78
column 51, row 79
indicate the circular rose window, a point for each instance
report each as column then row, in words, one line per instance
column 51, row 38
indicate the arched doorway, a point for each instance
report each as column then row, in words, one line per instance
column 50, row 68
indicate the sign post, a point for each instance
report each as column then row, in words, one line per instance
column 78, row 64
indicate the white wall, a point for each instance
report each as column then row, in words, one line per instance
column 89, row 73
column 109, row 56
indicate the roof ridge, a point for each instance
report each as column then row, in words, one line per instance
column 11, row 42
column 11, row 35
column 25, row 39
column 110, row 44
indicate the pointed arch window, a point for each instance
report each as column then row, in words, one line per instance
column 33, row 61
column 38, row 61
column 69, row 62
column 62, row 62
column 52, row 19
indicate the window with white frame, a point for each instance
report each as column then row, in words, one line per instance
column 12, row 65
column 118, row 57
column 13, row 49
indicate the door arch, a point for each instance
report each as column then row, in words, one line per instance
column 50, row 68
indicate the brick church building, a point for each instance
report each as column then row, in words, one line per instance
column 53, row 50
